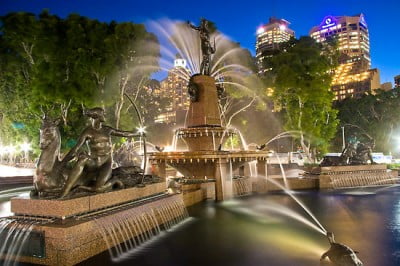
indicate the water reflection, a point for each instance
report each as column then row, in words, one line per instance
column 250, row 231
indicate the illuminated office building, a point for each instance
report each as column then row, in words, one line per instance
column 174, row 87
column 269, row 40
column 353, row 77
column 397, row 81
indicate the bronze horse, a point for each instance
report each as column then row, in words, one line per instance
column 49, row 176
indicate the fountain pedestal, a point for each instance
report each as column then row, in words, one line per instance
column 204, row 137
column 204, row 112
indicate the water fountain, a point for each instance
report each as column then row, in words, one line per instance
column 56, row 231
column 204, row 134
column 73, row 214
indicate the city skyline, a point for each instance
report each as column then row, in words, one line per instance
column 302, row 15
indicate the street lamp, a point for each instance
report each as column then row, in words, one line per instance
column 26, row 147
column 343, row 140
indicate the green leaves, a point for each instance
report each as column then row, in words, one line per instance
column 375, row 115
column 54, row 65
column 301, row 87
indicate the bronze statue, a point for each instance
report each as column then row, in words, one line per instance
column 96, row 164
column 206, row 49
column 50, row 170
column 339, row 254
column 355, row 153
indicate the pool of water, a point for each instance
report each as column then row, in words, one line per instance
column 246, row 232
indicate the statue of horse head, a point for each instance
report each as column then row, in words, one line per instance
column 45, row 177
column 49, row 132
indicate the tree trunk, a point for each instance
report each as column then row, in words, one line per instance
column 120, row 103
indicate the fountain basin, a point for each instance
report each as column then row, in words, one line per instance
column 215, row 165
column 72, row 240
column 333, row 177
column 203, row 164
column 204, row 138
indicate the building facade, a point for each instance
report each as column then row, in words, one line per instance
column 353, row 77
column 397, row 81
column 174, row 87
column 269, row 40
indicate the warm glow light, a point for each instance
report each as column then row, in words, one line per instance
column 168, row 148
column 141, row 130
column 260, row 30
column 282, row 27
column 25, row 147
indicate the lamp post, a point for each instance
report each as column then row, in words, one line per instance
column 26, row 147
column 343, row 141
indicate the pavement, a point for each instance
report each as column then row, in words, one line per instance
column 11, row 171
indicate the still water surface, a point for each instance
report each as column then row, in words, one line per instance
column 244, row 232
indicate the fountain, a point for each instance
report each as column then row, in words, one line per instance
column 81, row 207
column 72, row 217
column 355, row 168
column 204, row 134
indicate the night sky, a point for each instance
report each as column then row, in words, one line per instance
column 240, row 19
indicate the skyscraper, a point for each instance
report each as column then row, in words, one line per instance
column 174, row 87
column 397, row 81
column 269, row 40
column 353, row 77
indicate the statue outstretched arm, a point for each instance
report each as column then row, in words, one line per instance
column 126, row 134
column 193, row 26
column 323, row 256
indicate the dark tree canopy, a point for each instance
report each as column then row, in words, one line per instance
column 57, row 66
column 374, row 115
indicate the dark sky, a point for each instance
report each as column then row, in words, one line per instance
column 240, row 19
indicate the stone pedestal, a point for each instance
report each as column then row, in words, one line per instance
column 66, row 208
column 223, row 180
column 204, row 112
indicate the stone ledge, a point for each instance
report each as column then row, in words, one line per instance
column 349, row 168
column 70, row 207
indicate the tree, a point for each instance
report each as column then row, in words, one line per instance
column 302, row 77
column 58, row 66
column 374, row 115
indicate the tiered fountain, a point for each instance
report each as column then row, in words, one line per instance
column 204, row 135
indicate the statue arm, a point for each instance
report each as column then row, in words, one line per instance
column 126, row 134
column 324, row 256
column 192, row 26
column 72, row 153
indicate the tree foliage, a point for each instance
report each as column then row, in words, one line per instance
column 375, row 115
column 302, row 76
column 57, row 66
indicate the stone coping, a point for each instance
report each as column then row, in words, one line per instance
column 70, row 207
column 350, row 168
column 187, row 155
